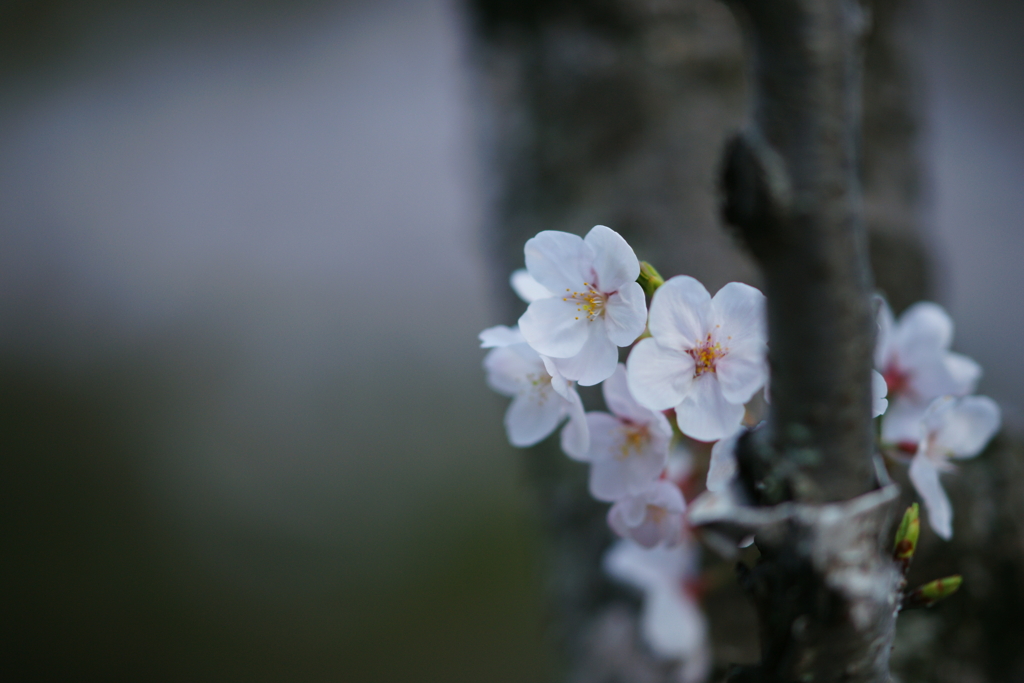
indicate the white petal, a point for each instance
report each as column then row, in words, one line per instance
column 723, row 467
column 565, row 387
column 963, row 371
column 621, row 402
column 648, row 534
column 500, row 335
column 673, row 624
column 630, row 564
column 576, row 434
column 679, row 313
column 626, row 314
column 554, row 327
column 968, row 426
column 614, row 263
column 608, row 480
column 649, row 570
column 618, row 468
column 595, row 362
column 527, row 288
column 558, row 260
column 883, row 342
column 924, row 328
column 658, row 378
column 605, row 436
column 619, row 399
column 705, row 415
column 532, row 416
column 878, row 391
column 930, row 376
column 738, row 315
column 665, row 494
column 680, row 461
column 925, row 478
column 742, row 371
column 645, row 467
column 627, row 513
column 654, row 532
column 512, row 369
column 903, row 421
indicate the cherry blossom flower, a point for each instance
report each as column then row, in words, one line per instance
column 671, row 620
column 705, row 358
column 596, row 304
column 652, row 517
column 628, row 448
column 913, row 356
column 954, row 428
column 541, row 397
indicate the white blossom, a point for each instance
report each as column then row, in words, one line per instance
column 596, row 304
column 652, row 517
column 629, row 447
column 951, row 428
column 671, row 620
column 541, row 397
column 913, row 356
column 705, row 358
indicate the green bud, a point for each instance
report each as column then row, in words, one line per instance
column 930, row 593
column 906, row 538
column 650, row 279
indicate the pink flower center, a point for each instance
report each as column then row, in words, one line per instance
column 590, row 303
column 896, row 380
column 706, row 356
column 908, row 447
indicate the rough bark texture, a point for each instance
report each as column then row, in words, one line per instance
column 616, row 112
column 826, row 596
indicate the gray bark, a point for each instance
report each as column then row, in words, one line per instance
column 792, row 188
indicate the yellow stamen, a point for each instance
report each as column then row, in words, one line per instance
column 634, row 439
column 540, row 385
column 706, row 356
column 590, row 302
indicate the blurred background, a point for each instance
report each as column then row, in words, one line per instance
column 244, row 256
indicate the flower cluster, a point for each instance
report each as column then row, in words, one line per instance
column 696, row 358
column 931, row 418
column 695, row 362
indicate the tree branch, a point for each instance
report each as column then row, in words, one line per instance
column 791, row 188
